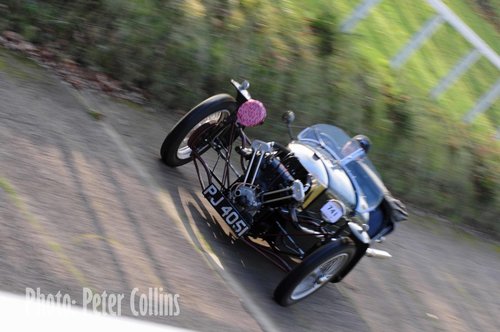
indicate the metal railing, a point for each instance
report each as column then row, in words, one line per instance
column 443, row 15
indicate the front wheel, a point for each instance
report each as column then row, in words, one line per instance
column 315, row 271
column 175, row 150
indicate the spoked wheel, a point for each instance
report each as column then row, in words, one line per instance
column 314, row 272
column 175, row 150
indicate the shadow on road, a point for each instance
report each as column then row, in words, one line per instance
column 256, row 274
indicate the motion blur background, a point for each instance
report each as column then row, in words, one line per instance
column 295, row 57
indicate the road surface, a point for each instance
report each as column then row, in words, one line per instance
column 87, row 203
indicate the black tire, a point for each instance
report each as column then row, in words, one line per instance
column 170, row 147
column 340, row 253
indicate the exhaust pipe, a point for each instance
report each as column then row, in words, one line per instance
column 370, row 252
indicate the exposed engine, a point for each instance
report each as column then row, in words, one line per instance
column 273, row 176
column 245, row 195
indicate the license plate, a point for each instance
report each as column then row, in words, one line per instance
column 226, row 210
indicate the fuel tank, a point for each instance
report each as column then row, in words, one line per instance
column 329, row 179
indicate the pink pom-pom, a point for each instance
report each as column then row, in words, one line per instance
column 251, row 113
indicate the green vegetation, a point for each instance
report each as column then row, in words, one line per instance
column 295, row 57
column 393, row 22
column 2, row 63
column 19, row 66
column 475, row 13
column 95, row 114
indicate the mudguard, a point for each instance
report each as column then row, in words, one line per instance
column 361, row 246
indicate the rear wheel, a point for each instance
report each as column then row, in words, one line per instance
column 315, row 271
column 175, row 150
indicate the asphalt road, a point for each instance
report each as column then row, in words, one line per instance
column 87, row 203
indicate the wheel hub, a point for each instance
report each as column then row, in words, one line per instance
column 319, row 276
column 197, row 136
column 194, row 138
column 322, row 279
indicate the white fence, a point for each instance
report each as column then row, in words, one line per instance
column 443, row 15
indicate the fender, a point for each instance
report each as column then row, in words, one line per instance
column 361, row 240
